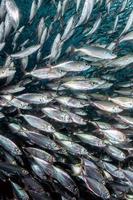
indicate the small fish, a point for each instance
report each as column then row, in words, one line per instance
column 91, row 140
column 26, row 52
column 126, row 37
column 64, row 6
column 33, row 10
column 74, row 148
column 114, row 135
column 44, row 36
column 13, row 12
column 40, row 28
column 97, row 188
column 126, row 119
column 96, row 52
column 115, row 153
column 57, row 115
column 86, row 12
column 47, row 73
column 65, row 180
column 1, row 32
column 83, row 85
column 46, row 167
column 72, row 66
column 107, row 106
column 72, row 102
column 6, row 72
column 19, row 192
column 42, row 141
column 39, row 123
column 113, row 170
column 119, row 62
column 128, row 24
column 16, row 36
column 95, row 26
column 10, row 146
column 40, row 154
column 12, row 169
column 68, row 32
column 8, row 26
column 124, row 102
column 36, row 98
column 55, row 49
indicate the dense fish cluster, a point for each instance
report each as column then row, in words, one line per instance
column 66, row 100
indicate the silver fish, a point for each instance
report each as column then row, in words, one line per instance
column 39, row 123
column 13, row 12
column 33, row 10
column 40, row 28
column 57, row 115
column 72, row 102
column 91, row 139
column 65, row 180
column 124, row 102
column 114, row 135
column 83, row 84
column 128, row 24
column 72, row 66
column 36, row 98
column 68, row 30
column 47, row 73
column 86, row 11
column 96, row 52
column 26, row 52
column 74, row 148
column 20, row 193
column 10, row 146
column 108, row 106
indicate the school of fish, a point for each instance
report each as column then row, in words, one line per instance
column 66, row 118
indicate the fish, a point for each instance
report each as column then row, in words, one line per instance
column 115, row 153
column 74, row 148
column 69, row 30
column 38, row 123
column 10, row 146
column 108, row 106
column 96, row 52
column 128, row 24
column 19, row 192
column 36, row 98
column 13, row 12
column 65, row 180
column 43, row 141
column 57, row 115
column 72, row 66
column 114, row 135
column 33, row 10
column 97, row 188
column 124, row 102
column 26, row 52
column 72, row 102
column 46, row 73
column 86, row 12
column 40, row 154
column 83, row 85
